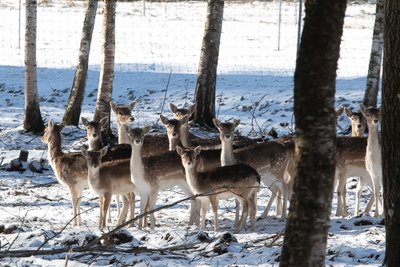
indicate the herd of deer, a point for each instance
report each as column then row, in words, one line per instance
column 141, row 166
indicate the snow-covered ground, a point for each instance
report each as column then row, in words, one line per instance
column 255, row 84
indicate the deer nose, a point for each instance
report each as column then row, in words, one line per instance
column 358, row 125
column 228, row 136
column 94, row 135
column 137, row 141
column 131, row 118
column 375, row 121
column 174, row 134
column 189, row 163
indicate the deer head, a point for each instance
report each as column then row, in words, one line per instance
column 180, row 112
column 372, row 115
column 52, row 133
column 136, row 135
column 94, row 157
column 173, row 129
column 188, row 156
column 123, row 112
column 226, row 129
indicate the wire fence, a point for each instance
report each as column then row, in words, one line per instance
column 258, row 36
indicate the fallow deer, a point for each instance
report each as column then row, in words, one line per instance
column 155, row 173
column 179, row 114
column 70, row 169
column 124, row 117
column 174, row 132
column 270, row 159
column 239, row 180
column 110, row 178
column 373, row 157
column 93, row 132
column 351, row 163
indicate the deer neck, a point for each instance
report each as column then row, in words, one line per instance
column 184, row 135
column 191, row 178
column 227, row 157
column 93, row 176
column 122, row 134
column 137, row 166
column 95, row 144
column 373, row 142
column 54, row 150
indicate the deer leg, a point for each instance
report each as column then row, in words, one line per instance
column 104, row 201
column 359, row 188
column 274, row 191
column 144, row 198
column 237, row 208
column 205, row 203
column 194, row 210
column 152, row 205
column 253, row 209
column 125, row 207
column 245, row 212
column 214, row 206
column 76, row 196
column 284, row 200
column 377, row 192
column 132, row 198
column 341, row 196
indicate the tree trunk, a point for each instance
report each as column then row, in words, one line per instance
column 73, row 111
column 310, row 208
column 33, row 121
column 207, row 72
column 374, row 70
column 391, row 132
column 107, row 64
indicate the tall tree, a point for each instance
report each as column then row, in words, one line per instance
column 107, row 63
column 207, row 72
column 73, row 111
column 374, row 70
column 391, row 131
column 33, row 121
column 315, row 75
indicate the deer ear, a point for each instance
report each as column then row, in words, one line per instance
column 103, row 122
column 84, row 151
column 85, row 122
column 179, row 150
column 163, row 119
column 348, row 112
column 173, row 108
column 192, row 109
column 184, row 119
column 146, row 129
column 217, row 123
column 131, row 105
column 197, row 150
column 236, row 122
column 50, row 124
column 103, row 151
column 363, row 109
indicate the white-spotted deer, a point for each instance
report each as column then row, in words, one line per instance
column 239, row 180
column 110, row 178
column 156, row 173
column 373, row 157
column 70, row 169
column 270, row 159
column 124, row 117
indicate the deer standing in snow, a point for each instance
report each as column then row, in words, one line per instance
column 155, row 173
column 110, row 178
column 239, row 180
column 373, row 157
column 270, row 159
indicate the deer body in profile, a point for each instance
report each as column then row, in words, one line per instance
column 239, row 180
column 110, row 178
column 270, row 159
column 155, row 173
column 373, row 157
column 70, row 169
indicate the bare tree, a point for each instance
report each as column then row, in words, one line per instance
column 33, row 121
column 73, row 111
column 310, row 208
column 374, row 70
column 391, row 132
column 107, row 64
column 207, row 72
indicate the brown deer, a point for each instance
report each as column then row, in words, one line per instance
column 270, row 159
column 239, row 180
column 124, row 117
column 155, row 173
column 179, row 114
column 373, row 157
column 174, row 132
column 93, row 132
column 70, row 169
column 110, row 178
column 351, row 163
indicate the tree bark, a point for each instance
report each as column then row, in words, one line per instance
column 33, row 121
column 107, row 64
column 73, row 111
column 207, row 72
column 391, row 132
column 314, row 96
column 374, row 70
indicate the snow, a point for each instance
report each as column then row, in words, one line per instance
column 255, row 84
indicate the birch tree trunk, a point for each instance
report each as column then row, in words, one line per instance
column 310, row 208
column 73, row 111
column 33, row 121
column 107, row 63
column 391, row 132
column 374, row 70
column 207, row 72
